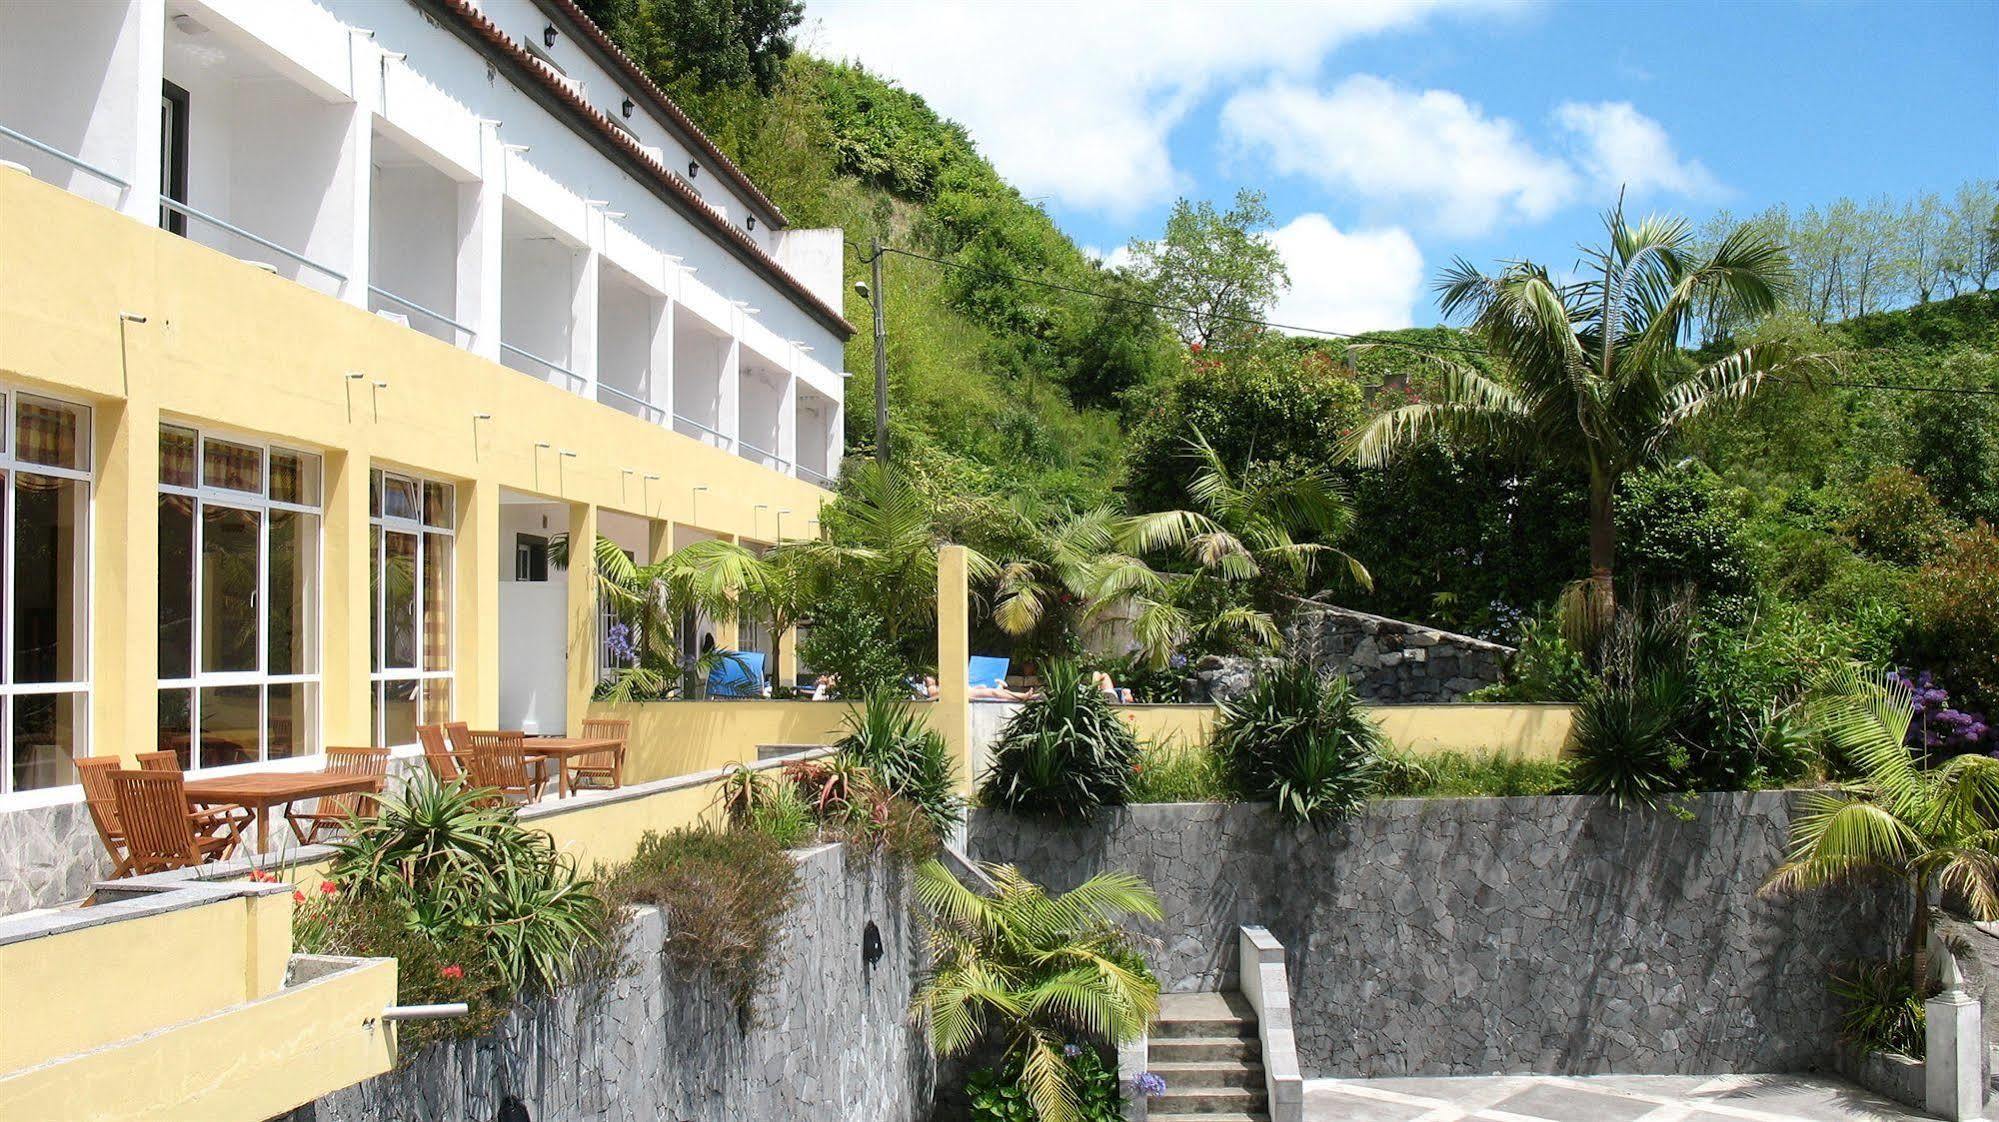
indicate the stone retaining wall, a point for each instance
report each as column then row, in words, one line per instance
column 1391, row 660
column 832, row 1040
column 1470, row 936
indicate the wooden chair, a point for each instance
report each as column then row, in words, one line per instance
column 223, row 823
column 334, row 812
column 158, row 761
column 443, row 765
column 215, row 821
column 606, row 769
column 159, row 830
column 500, row 761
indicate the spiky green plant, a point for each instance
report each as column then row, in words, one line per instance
column 1896, row 821
column 1300, row 739
column 1033, row 971
column 907, row 757
column 1064, row 756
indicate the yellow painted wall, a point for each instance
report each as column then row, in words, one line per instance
column 1535, row 732
column 1178, row 725
column 254, row 1061
column 80, row 989
column 228, row 345
column 672, row 738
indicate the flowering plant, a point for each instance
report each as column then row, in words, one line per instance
column 621, row 644
column 1938, row 728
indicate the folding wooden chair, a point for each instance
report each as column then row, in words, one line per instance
column 159, row 829
column 606, row 768
column 215, row 821
column 437, row 755
column 335, row 812
column 500, row 762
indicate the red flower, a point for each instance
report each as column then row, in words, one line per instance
column 328, row 888
column 1195, row 347
column 298, row 896
column 261, row 877
column 453, row 972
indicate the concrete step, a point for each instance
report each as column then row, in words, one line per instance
column 1204, row 1015
column 1217, row 1116
column 773, row 751
column 1207, row 1101
column 1203, row 1076
column 1195, row 1049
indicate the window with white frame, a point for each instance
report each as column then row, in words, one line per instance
column 410, row 586
column 44, row 590
column 240, row 540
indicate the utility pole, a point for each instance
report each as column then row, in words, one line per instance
column 878, row 296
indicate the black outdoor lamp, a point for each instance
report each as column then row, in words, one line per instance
column 627, row 107
column 693, row 169
column 548, row 36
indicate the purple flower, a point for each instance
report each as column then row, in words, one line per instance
column 1148, row 1084
column 1939, row 729
column 1071, row 1051
column 621, row 643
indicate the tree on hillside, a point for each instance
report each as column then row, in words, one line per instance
column 1221, row 267
column 1591, row 375
column 699, row 46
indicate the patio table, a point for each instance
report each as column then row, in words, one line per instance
column 562, row 749
column 262, row 791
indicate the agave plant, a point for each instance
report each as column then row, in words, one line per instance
column 1897, row 821
column 456, row 862
column 1300, row 739
column 1034, row 972
column 908, row 758
column 1063, row 756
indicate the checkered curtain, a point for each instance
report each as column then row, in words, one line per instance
column 437, row 602
column 284, row 478
column 233, row 466
column 177, row 458
column 45, row 435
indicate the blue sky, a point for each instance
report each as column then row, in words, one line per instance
column 1393, row 135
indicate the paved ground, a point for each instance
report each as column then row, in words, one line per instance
column 1604, row 1098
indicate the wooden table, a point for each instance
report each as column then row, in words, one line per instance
column 262, row 791
column 562, row 749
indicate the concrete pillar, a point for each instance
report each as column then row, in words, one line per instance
column 354, row 181
column 953, row 714
column 1953, row 1069
column 583, row 321
column 582, row 639
column 787, row 424
column 124, row 591
column 730, row 420
column 346, row 697
column 479, row 228
column 659, row 365
column 478, row 607
column 836, row 439
column 145, row 30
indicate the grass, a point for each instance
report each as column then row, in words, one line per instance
column 1179, row 773
column 1182, row 773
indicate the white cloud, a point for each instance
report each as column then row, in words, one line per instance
column 1621, row 147
column 1118, row 257
column 1078, row 100
column 1388, row 144
column 1363, row 281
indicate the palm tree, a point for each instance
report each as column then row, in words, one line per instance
column 1924, row 827
column 1590, row 372
column 1037, row 970
column 713, row 577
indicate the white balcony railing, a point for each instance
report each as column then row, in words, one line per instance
column 767, row 457
column 577, row 383
column 76, row 162
column 206, row 219
column 413, row 306
column 682, row 422
column 638, row 406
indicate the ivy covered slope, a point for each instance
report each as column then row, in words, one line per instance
column 998, row 386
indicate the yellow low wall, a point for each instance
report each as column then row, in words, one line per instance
column 256, row 1060
column 1538, row 732
column 73, row 990
column 672, row 738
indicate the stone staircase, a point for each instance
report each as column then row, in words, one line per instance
column 1205, row 1046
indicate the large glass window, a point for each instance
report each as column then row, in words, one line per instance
column 239, row 599
column 44, row 590
column 410, row 583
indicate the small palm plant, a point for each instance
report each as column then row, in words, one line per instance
column 887, row 737
column 1301, row 739
column 1034, row 971
column 1927, row 828
column 1064, row 756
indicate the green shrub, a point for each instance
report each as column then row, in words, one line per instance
column 781, row 813
column 911, row 760
column 1955, row 600
column 454, row 865
column 1300, row 739
column 1547, row 668
column 725, row 894
column 997, row 1095
column 1063, row 756
column 1627, row 739
column 1179, row 773
column 850, row 641
column 431, row 968
column 1455, row 775
column 1894, row 518
column 1884, row 1009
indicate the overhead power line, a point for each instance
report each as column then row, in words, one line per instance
column 1430, row 348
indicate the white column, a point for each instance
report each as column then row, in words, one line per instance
column 787, row 424
column 479, row 228
column 355, row 179
column 1953, row 1069
column 659, row 364
column 836, row 438
column 731, row 419
column 144, row 36
column 583, row 319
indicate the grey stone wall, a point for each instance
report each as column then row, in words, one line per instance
column 832, row 1040
column 1462, row 936
column 1390, row 660
column 49, row 855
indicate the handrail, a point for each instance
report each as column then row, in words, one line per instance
column 179, row 207
column 745, row 446
column 416, row 307
column 533, row 357
column 649, row 407
column 818, row 477
column 704, row 428
column 73, row 161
